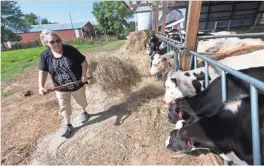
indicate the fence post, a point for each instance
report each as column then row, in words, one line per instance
column 255, row 125
column 223, row 81
column 206, row 74
column 180, row 58
column 195, row 62
column 191, row 62
column 175, row 57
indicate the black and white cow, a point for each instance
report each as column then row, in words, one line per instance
column 209, row 102
column 154, row 45
column 189, row 83
column 227, row 133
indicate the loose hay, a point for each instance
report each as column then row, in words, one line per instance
column 137, row 40
column 114, row 74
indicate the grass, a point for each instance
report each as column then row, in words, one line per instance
column 5, row 94
column 16, row 61
column 107, row 46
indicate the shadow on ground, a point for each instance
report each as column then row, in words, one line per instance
column 122, row 109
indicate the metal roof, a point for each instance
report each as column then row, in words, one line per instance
column 230, row 14
column 56, row 27
column 146, row 6
column 214, row 14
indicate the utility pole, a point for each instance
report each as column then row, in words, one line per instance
column 94, row 29
column 72, row 26
column 163, row 17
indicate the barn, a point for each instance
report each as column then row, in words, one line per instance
column 65, row 30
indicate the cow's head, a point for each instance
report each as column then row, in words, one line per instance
column 172, row 89
column 187, row 140
column 158, row 64
column 153, row 44
column 176, row 142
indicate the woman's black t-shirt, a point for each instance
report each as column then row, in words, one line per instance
column 65, row 69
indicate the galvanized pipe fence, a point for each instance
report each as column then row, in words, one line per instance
column 255, row 84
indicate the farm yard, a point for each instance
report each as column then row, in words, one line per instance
column 134, row 126
column 170, row 90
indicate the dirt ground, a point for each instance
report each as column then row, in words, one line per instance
column 123, row 129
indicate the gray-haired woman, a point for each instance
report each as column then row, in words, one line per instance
column 65, row 64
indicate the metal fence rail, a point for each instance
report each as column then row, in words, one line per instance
column 255, row 84
column 234, row 35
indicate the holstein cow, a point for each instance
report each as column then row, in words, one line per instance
column 219, row 50
column 157, row 67
column 228, row 133
column 154, row 45
column 209, row 102
column 189, row 83
column 224, row 48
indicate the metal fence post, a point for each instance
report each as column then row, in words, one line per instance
column 175, row 57
column 229, row 23
column 255, row 125
column 206, row 74
column 191, row 62
column 223, row 85
column 180, row 32
column 180, row 54
column 195, row 62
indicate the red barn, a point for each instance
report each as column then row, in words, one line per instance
column 66, row 31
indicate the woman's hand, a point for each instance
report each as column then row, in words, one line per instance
column 42, row 91
column 84, row 79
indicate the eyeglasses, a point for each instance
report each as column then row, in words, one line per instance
column 56, row 41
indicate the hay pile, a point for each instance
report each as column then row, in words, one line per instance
column 115, row 74
column 137, row 40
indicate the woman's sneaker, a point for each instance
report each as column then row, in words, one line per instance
column 85, row 117
column 67, row 130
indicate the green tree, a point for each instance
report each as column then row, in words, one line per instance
column 45, row 21
column 31, row 19
column 131, row 26
column 111, row 16
column 12, row 19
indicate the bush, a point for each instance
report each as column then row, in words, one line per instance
column 18, row 45
column 79, row 41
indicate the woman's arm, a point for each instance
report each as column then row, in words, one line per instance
column 42, row 80
column 84, row 70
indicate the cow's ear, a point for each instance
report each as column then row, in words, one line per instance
column 174, row 80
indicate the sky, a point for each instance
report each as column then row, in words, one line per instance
column 58, row 11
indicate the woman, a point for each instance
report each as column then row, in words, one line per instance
column 65, row 64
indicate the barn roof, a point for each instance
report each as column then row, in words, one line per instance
column 219, row 14
column 56, row 27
